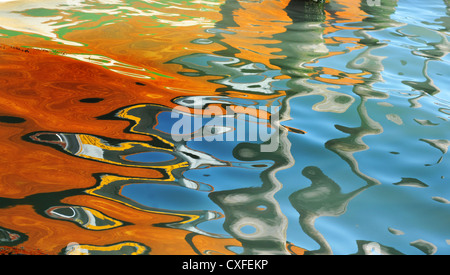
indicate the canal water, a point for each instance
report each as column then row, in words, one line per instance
column 224, row 127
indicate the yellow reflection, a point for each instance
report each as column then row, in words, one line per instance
column 86, row 217
column 125, row 248
column 115, row 183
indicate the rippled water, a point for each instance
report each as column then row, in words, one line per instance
column 353, row 94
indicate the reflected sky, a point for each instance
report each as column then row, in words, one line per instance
column 358, row 113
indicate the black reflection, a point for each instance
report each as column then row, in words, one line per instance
column 85, row 217
column 42, row 202
column 302, row 41
column 322, row 198
column 169, row 154
column 10, row 237
column 162, row 153
column 253, row 215
column 107, row 150
column 110, row 187
column 11, row 119
column 301, row 44
column 91, row 100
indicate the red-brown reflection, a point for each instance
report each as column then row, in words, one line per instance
column 42, row 232
column 46, row 90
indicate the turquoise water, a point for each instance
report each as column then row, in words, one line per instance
column 361, row 94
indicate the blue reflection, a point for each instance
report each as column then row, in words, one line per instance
column 163, row 196
column 150, row 157
column 367, row 176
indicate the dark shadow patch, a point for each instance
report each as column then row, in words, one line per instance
column 91, row 100
column 11, row 119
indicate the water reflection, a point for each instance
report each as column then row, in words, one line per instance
column 10, row 237
column 221, row 195
column 368, row 62
column 162, row 154
column 53, row 19
column 148, row 195
column 85, row 217
column 125, row 248
column 107, row 150
column 252, row 215
column 374, row 248
column 248, row 77
column 302, row 41
column 322, row 198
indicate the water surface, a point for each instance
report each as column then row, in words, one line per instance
column 354, row 95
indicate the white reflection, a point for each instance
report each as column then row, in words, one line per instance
column 49, row 17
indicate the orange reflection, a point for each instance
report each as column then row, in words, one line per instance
column 347, row 12
column 257, row 22
column 351, row 12
column 66, row 91
column 48, row 91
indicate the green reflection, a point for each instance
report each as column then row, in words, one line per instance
column 322, row 198
column 41, row 12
